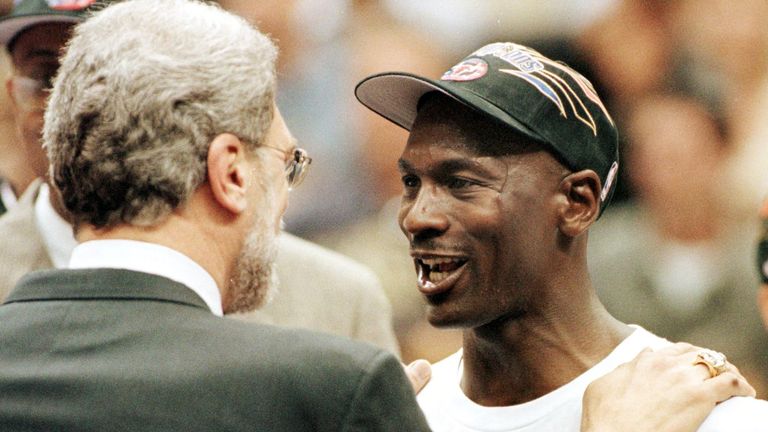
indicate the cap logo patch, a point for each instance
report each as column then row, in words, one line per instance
column 512, row 54
column 69, row 5
column 468, row 70
column 530, row 66
column 609, row 181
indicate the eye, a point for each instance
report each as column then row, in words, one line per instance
column 458, row 183
column 410, row 181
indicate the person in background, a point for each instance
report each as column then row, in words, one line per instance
column 671, row 260
column 315, row 67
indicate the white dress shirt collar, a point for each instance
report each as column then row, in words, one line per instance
column 7, row 195
column 149, row 258
column 55, row 231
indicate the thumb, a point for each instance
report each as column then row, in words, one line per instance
column 418, row 372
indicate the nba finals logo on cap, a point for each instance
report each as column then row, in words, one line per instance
column 468, row 70
column 531, row 67
column 70, row 5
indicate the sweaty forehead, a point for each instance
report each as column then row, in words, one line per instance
column 444, row 122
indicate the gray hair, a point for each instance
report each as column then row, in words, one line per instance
column 144, row 87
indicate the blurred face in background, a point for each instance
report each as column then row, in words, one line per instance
column 274, row 17
column 673, row 157
column 732, row 38
column 35, row 57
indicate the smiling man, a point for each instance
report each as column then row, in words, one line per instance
column 511, row 157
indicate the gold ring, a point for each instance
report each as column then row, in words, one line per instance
column 713, row 360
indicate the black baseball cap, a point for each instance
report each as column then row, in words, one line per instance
column 542, row 99
column 27, row 13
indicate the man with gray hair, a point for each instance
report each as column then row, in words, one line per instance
column 319, row 289
column 175, row 166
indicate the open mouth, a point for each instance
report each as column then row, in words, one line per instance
column 438, row 274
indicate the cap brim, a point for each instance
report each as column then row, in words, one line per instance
column 395, row 96
column 11, row 26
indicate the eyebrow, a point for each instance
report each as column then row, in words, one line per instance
column 450, row 166
column 42, row 52
column 403, row 165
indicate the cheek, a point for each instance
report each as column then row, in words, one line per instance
column 508, row 231
column 401, row 213
column 283, row 207
column 31, row 123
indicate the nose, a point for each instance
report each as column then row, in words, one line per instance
column 423, row 217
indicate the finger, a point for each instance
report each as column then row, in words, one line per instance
column 678, row 348
column 418, row 372
column 732, row 367
column 728, row 384
column 702, row 365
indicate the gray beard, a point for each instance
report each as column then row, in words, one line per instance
column 254, row 279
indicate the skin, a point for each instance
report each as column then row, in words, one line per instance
column 418, row 372
column 211, row 226
column 675, row 153
column 688, row 397
column 513, row 213
column 513, row 218
column 762, row 303
column 35, row 55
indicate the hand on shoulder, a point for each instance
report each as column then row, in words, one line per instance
column 419, row 372
column 659, row 391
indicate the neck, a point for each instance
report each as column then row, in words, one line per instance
column 196, row 230
column 14, row 164
column 517, row 360
column 17, row 174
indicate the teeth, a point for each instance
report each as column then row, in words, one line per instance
column 430, row 270
column 437, row 276
column 437, row 261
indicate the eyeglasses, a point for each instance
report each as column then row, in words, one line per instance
column 296, row 165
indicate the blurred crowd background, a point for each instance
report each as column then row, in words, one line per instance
column 686, row 80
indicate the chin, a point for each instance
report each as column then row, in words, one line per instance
column 442, row 319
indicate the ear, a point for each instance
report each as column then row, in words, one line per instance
column 228, row 172
column 762, row 303
column 581, row 204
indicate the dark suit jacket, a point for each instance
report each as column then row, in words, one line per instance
column 319, row 289
column 113, row 350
